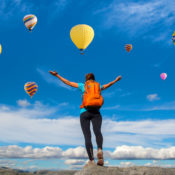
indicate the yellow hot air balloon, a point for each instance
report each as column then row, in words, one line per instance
column 0, row 49
column 82, row 35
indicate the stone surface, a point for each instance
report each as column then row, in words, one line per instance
column 97, row 170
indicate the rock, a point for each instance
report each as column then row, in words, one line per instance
column 97, row 170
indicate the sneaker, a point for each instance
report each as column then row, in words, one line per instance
column 100, row 154
column 100, row 161
column 90, row 163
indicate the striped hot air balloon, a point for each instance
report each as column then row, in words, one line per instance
column 173, row 37
column 30, row 21
column 31, row 88
column 128, row 47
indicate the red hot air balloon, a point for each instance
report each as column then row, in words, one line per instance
column 128, row 47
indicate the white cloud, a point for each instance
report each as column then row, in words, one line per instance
column 166, row 106
column 51, row 79
column 138, row 18
column 111, row 107
column 125, row 94
column 153, row 97
column 21, row 7
column 106, row 163
column 158, row 163
column 23, row 103
column 73, row 157
column 163, row 107
column 148, row 164
column 40, row 124
column 112, row 93
column 108, row 94
column 74, row 162
column 4, row 108
column 139, row 152
column 126, row 164
column 123, row 152
column 7, row 163
column 78, row 152
column 14, row 151
column 9, row 7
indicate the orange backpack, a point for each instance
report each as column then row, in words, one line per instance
column 92, row 98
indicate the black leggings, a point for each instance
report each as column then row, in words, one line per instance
column 96, row 119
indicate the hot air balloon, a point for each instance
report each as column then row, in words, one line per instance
column 173, row 37
column 163, row 76
column 82, row 35
column 30, row 21
column 128, row 47
column 31, row 88
column 0, row 49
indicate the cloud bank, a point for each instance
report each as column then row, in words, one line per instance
column 77, row 156
column 42, row 124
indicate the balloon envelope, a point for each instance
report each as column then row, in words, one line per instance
column 30, row 21
column 31, row 88
column 82, row 35
column 163, row 76
column 128, row 47
column 173, row 37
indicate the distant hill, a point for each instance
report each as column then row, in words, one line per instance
column 8, row 171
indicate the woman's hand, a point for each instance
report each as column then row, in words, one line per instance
column 118, row 78
column 54, row 73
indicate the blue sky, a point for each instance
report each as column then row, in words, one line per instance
column 138, row 112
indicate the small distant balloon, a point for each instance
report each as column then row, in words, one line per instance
column 31, row 88
column 173, row 37
column 0, row 49
column 163, row 76
column 128, row 47
column 30, row 21
column 82, row 35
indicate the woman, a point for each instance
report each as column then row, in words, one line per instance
column 89, row 114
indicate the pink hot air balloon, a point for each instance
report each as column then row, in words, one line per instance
column 163, row 76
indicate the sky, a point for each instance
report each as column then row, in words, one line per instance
column 44, row 132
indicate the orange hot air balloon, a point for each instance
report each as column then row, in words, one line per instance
column 128, row 47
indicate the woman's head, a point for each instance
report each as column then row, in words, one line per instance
column 90, row 76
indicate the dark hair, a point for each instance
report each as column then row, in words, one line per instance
column 90, row 76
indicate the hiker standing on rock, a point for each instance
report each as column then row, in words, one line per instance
column 89, row 111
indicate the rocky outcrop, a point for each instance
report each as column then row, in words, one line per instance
column 97, row 170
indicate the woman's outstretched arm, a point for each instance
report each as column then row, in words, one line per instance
column 54, row 73
column 112, row 82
